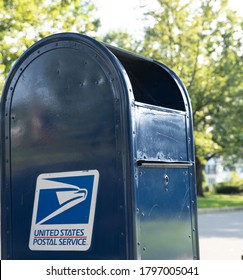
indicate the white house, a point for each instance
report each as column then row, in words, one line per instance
column 215, row 172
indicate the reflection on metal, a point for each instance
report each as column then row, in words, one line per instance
column 166, row 218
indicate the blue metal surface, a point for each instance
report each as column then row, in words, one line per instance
column 161, row 134
column 72, row 104
column 164, row 212
column 62, row 117
column 165, row 202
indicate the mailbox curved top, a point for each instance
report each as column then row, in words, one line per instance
column 74, row 62
column 135, row 77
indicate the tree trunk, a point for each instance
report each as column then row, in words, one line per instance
column 199, row 175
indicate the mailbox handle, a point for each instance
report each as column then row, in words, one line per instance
column 162, row 164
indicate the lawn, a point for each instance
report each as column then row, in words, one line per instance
column 219, row 201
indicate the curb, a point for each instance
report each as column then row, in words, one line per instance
column 219, row 210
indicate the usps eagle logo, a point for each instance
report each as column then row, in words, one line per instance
column 63, row 211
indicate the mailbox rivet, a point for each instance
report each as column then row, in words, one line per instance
column 143, row 214
column 139, row 243
column 144, row 248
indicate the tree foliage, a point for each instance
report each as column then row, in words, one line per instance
column 23, row 22
column 123, row 40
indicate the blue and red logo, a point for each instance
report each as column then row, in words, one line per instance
column 64, row 202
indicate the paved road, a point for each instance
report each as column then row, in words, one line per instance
column 221, row 235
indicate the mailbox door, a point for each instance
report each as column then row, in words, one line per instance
column 166, row 224
column 164, row 212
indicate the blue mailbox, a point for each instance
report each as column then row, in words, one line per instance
column 97, row 156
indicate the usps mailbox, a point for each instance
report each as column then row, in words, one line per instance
column 97, row 156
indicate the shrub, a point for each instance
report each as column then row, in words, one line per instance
column 232, row 186
column 228, row 189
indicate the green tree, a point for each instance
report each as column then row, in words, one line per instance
column 123, row 40
column 23, row 22
column 202, row 42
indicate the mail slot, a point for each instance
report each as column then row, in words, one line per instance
column 97, row 156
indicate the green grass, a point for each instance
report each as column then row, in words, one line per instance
column 219, row 201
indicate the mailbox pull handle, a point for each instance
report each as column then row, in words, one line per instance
column 163, row 164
